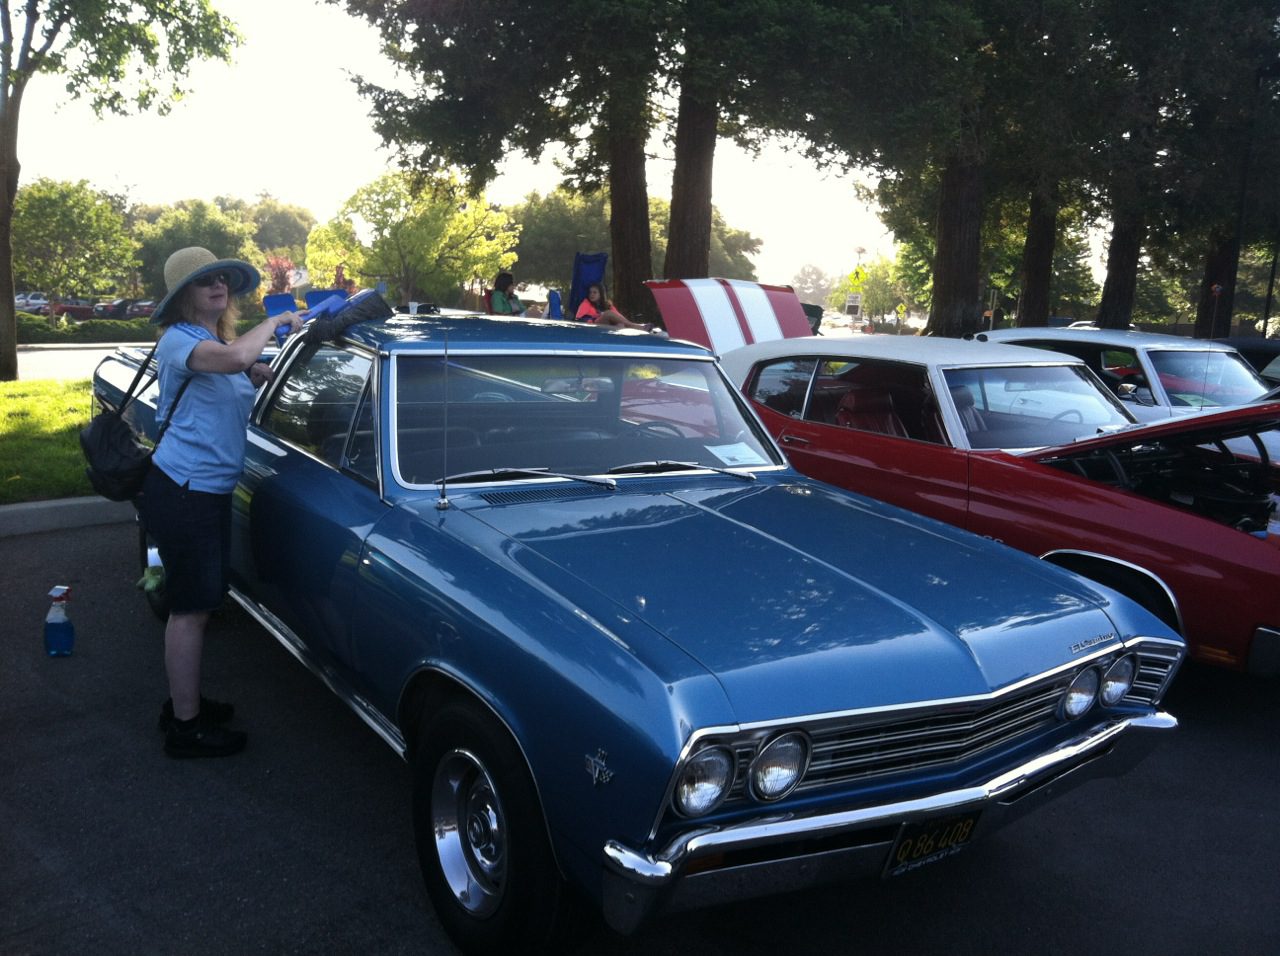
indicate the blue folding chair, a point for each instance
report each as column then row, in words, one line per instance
column 554, row 309
column 588, row 267
column 279, row 302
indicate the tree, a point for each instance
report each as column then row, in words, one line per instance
column 119, row 54
column 333, row 246
column 427, row 240
column 812, row 284
column 69, row 239
column 191, row 222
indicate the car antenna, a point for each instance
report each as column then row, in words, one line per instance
column 442, row 503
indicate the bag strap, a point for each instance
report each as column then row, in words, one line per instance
column 172, row 410
column 133, row 392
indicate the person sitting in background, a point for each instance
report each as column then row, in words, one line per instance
column 504, row 300
column 598, row 310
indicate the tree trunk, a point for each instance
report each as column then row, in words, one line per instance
column 689, row 233
column 631, row 243
column 1037, row 257
column 9, row 170
column 1217, row 287
column 1128, row 230
column 957, row 295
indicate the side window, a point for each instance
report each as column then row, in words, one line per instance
column 782, row 385
column 889, row 398
column 1121, row 362
column 315, row 405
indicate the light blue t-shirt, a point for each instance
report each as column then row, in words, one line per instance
column 204, row 444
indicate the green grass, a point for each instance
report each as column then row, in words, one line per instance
column 40, row 424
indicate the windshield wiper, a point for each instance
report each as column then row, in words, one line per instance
column 666, row 464
column 509, row 474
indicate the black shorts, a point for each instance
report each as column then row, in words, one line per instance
column 192, row 529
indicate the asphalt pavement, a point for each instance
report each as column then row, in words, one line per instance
column 302, row 844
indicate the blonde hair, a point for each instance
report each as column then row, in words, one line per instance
column 226, row 322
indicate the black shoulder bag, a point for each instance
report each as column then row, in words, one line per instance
column 118, row 461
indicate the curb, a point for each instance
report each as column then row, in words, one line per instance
column 35, row 517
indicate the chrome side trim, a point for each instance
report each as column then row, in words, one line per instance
column 294, row 645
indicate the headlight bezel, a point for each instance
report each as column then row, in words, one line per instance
column 1085, row 675
column 1129, row 660
column 701, row 757
column 779, row 740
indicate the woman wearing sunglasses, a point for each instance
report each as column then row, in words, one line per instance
column 207, row 381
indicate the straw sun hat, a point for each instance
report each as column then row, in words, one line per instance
column 187, row 265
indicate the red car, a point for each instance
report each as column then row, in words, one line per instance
column 1031, row 449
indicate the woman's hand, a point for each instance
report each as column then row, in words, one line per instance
column 291, row 319
column 260, row 373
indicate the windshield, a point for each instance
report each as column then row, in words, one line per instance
column 1031, row 406
column 570, row 414
column 1206, row 379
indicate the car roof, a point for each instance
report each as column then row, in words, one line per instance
column 919, row 349
column 402, row 333
column 1116, row 338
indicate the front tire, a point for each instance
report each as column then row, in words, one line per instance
column 481, row 839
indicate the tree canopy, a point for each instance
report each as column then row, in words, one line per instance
column 117, row 54
column 69, row 239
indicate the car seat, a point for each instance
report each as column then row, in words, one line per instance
column 869, row 410
column 970, row 417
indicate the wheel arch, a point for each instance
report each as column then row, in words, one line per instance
column 1132, row 580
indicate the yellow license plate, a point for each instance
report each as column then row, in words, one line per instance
column 920, row 844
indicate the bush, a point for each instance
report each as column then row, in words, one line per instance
column 40, row 330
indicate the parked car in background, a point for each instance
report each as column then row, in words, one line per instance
column 627, row 649
column 112, row 309
column 30, row 301
column 1155, row 375
column 1029, row 448
column 72, row 306
column 140, row 309
column 1262, row 354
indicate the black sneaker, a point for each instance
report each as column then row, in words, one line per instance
column 214, row 711
column 202, row 739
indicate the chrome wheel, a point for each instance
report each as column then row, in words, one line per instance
column 470, row 832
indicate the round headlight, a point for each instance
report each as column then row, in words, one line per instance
column 779, row 766
column 1118, row 680
column 1081, row 694
column 704, row 781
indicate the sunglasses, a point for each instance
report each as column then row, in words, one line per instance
column 205, row 281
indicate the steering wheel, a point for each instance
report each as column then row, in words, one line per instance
column 491, row 397
column 659, row 430
column 1066, row 416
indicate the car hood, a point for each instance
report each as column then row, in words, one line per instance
column 1199, row 429
column 797, row 597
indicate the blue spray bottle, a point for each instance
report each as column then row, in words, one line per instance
column 59, row 632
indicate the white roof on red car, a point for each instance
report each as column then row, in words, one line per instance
column 919, row 349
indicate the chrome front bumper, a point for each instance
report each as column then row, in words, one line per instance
column 698, row 867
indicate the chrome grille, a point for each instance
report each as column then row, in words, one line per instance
column 1157, row 663
column 869, row 745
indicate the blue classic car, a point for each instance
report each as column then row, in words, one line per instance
column 629, row 653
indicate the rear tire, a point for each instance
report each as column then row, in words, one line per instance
column 481, row 839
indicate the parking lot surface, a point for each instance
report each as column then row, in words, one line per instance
column 303, row 843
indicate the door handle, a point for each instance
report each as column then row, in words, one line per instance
column 794, row 440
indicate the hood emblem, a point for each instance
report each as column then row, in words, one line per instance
column 1092, row 642
column 597, row 769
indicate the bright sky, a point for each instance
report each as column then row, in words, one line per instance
column 285, row 119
